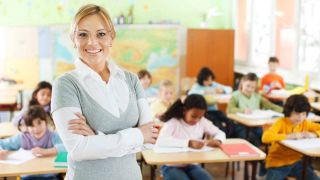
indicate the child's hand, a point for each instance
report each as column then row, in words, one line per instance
column 309, row 135
column 247, row 111
column 3, row 154
column 150, row 132
column 218, row 90
column 214, row 143
column 196, row 144
column 37, row 151
column 295, row 136
column 80, row 126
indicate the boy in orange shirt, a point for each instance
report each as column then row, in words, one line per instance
column 282, row 161
column 272, row 80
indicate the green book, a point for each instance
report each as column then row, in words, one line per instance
column 61, row 160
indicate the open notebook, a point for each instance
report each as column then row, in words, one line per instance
column 18, row 157
column 260, row 114
column 304, row 143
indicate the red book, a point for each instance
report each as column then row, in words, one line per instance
column 239, row 149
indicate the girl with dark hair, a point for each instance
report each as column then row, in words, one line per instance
column 40, row 96
column 207, row 87
column 186, row 126
column 38, row 138
column 281, row 161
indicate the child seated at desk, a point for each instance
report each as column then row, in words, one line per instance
column 272, row 80
column 37, row 138
column 282, row 161
column 245, row 100
column 146, row 80
column 40, row 96
column 185, row 126
column 165, row 99
column 207, row 87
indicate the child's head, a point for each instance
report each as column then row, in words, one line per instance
column 248, row 84
column 273, row 64
column 166, row 91
column 42, row 94
column 205, row 77
column 191, row 110
column 36, row 121
column 145, row 78
column 296, row 108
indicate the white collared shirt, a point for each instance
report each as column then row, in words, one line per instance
column 113, row 97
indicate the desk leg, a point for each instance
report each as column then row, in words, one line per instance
column 254, row 170
column 246, row 176
column 153, row 169
column 305, row 162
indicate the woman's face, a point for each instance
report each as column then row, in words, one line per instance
column 93, row 40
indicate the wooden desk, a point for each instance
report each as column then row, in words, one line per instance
column 251, row 123
column 308, row 154
column 218, row 98
column 311, row 95
column 7, row 130
column 215, row 156
column 35, row 166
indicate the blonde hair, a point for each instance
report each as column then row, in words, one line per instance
column 91, row 9
column 165, row 83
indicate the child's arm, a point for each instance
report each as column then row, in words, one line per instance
column 58, row 147
column 272, row 134
column 266, row 104
column 215, row 132
column 37, row 151
column 13, row 143
column 313, row 128
column 225, row 89
column 166, row 138
column 233, row 106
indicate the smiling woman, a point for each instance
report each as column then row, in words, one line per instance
column 99, row 109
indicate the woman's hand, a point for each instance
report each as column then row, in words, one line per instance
column 196, row 144
column 3, row 154
column 214, row 143
column 80, row 126
column 150, row 132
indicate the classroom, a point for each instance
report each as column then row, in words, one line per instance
column 160, row 90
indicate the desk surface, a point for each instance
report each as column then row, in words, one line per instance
column 312, row 152
column 316, row 105
column 259, row 122
column 7, row 130
column 35, row 166
column 217, row 155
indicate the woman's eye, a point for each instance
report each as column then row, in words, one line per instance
column 82, row 35
column 101, row 34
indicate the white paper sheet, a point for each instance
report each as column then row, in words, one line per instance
column 158, row 149
column 304, row 143
column 260, row 114
column 18, row 157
